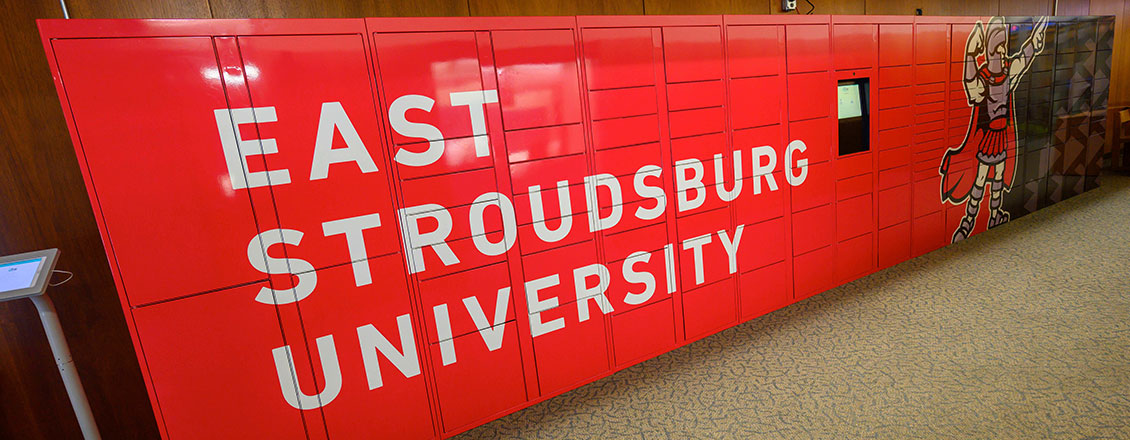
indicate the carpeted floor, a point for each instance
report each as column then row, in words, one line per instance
column 1020, row 332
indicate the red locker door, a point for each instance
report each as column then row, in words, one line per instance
column 931, row 43
column 638, row 280
column 895, row 42
column 810, row 95
column 855, row 258
column 765, row 289
column 854, row 46
column 896, row 76
column 643, row 332
column 632, row 130
column 755, row 50
column 773, row 136
column 854, row 217
column 546, row 173
column 757, row 101
column 538, row 83
column 624, row 163
column 692, row 53
column 617, row 58
column 573, row 354
column 219, row 367
column 753, row 207
column 819, row 138
column 548, row 206
column 621, row 245
column 486, row 380
column 566, row 294
column 175, row 217
column 622, row 103
column 709, row 308
column 438, row 224
column 818, row 188
column 814, row 228
column 703, row 256
column 695, row 122
column 544, row 143
column 808, row 47
column 814, row 272
column 708, row 258
column 894, row 245
column 763, row 244
column 470, row 301
column 540, row 269
column 928, row 233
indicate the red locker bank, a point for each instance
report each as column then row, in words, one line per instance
column 407, row 227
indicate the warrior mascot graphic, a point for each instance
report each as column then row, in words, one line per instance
column 990, row 75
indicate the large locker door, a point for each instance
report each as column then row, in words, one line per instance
column 220, row 367
column 162, row 157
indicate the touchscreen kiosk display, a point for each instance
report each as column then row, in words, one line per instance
column 849, row 104
column 19, row 274
column 854, row 121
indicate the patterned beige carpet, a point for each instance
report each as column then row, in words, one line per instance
column 1020, row 332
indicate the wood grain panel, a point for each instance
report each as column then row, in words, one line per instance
column 846, row 7
column 43, row 204
column 337, row 8
column 1026, row 7
column 974, row 7
column 681, row 7
column 896, row 7
column 487, row 8
column 1073, row 7
column 934, row 7
column 137, row 9
column 1120, row 70
column 1106, row 7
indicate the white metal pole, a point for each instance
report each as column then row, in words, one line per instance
column 66, row 365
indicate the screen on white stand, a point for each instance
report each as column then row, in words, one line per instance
column 19, row 274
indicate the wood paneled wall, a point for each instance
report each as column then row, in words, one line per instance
column 43, row 202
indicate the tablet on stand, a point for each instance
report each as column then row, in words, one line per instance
column 28, row 276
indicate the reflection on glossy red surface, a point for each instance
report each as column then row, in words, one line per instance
column 408, row 227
